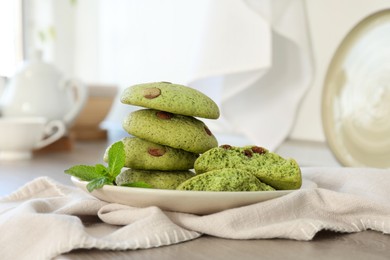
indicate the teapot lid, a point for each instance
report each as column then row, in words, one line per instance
column 36, row 66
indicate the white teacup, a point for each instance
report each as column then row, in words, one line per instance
column 19, row 136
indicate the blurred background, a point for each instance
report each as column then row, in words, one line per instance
column 263, row 62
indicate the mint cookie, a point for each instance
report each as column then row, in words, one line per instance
column 173, row 98
column 145, row 155
column 177, row 131
column 270, row 168
column 156, row 179
column 227, row 179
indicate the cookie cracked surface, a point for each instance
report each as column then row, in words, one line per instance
column 156, row 179
column 164, row 128
column 173, row 98
column 227, row 179
column 145, row 155
column 270, row 168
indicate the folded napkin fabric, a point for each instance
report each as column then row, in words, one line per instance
column 299, row 216
column 44, row 219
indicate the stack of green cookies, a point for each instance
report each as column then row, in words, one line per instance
column 166, row 137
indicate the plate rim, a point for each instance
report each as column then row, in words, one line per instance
column 191, row 202
column 203, row 193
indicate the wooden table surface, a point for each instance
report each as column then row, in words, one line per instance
column 326, row 245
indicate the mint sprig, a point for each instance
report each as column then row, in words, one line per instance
column 116, row 159
column 100, row 175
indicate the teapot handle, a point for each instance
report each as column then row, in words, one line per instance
column 81, row 95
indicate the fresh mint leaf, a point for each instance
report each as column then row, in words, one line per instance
column 116, row 159
column 137, row 185
column 98, row 183
column 101, row 169
column 99, row 175
column 83, row 172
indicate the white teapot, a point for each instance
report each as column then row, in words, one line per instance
column 39, row 89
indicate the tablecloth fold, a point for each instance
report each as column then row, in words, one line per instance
column 44, row 218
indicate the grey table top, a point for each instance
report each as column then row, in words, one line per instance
column 326, row 245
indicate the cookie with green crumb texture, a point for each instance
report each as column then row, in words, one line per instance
column 268, row 167
column 177, row 131
column 227, row 179
column 145, row 155
column 173, row 98
column 156, row 179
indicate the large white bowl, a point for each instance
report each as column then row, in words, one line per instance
column 356, row 98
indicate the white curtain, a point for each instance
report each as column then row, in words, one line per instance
column 251, row 56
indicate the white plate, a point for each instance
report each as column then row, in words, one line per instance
column 196, row 202
column 356, row 98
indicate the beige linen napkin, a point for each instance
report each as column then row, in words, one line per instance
column 44, row 218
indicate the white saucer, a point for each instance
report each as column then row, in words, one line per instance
column 15, row 155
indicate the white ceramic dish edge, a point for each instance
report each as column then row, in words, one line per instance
column 194, row 202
